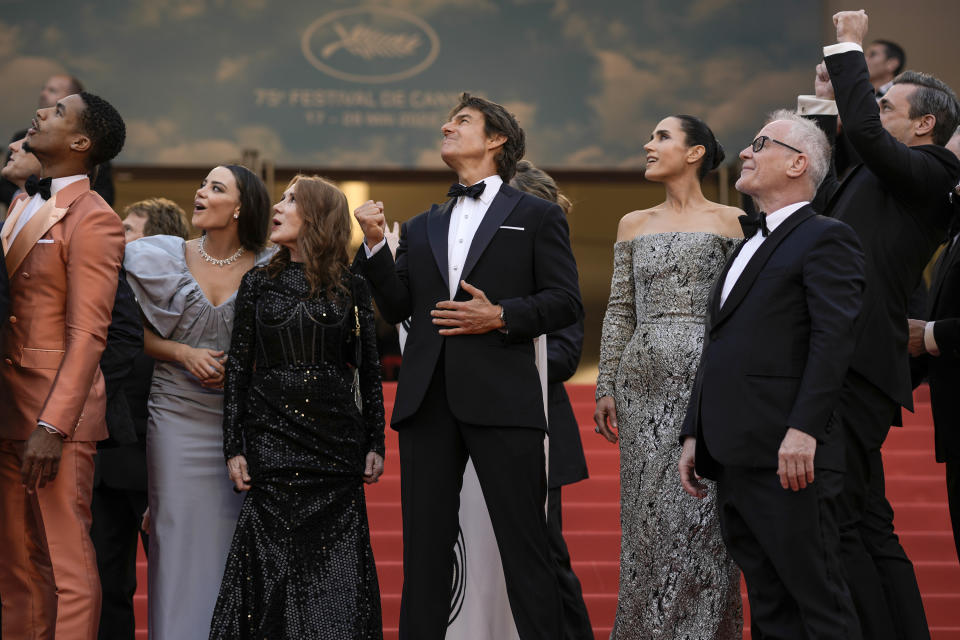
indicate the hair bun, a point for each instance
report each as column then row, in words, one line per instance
column 719, row 155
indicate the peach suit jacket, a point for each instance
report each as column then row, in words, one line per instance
column 63, row 268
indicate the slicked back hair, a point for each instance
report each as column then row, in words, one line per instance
column 934, row 97
column 254, row 221
column 498, row 121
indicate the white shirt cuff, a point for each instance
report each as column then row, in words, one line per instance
column 928, row 342
column 370, row 252
column 47, row 424
column 841, row 47
column 814, row 106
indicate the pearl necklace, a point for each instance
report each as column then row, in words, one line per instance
column 217, row 262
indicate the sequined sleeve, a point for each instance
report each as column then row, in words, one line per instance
column 240, row 363
column 620, row 319
column 371, row 388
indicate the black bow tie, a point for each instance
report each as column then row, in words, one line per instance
column 750, row 224
column 34, row 186
column 458, row 190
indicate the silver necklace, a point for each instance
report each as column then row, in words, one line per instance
column 217, row 262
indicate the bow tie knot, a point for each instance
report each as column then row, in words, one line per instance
column 35, row 185
column 750, row 225
column 458, row 190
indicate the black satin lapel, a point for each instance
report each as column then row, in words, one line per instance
column 828, row 209
column 718, row 286
column 759, row 259
column 438, row 227
column 503, row 203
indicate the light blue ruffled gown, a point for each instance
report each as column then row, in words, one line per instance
column 193, row 508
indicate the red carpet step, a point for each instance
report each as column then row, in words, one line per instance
column 915, row 487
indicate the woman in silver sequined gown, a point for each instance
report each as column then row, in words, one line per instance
column 676, row 579
column 302, row 431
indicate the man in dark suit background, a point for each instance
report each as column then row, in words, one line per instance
column 481, row 275
column 779, row 337
column 894, row 201
column 935, row 345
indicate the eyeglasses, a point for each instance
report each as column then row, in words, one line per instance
column 759, row 141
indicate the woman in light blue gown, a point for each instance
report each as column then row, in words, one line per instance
column 186, row 292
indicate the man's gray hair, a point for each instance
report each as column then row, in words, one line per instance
column 807, row 136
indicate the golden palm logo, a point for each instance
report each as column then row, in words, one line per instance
column 370, row 44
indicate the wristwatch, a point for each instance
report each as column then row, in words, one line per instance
column 503, row 319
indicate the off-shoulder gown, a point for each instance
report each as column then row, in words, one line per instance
column 676, row 579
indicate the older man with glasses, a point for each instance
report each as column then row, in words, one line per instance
column 778, row 340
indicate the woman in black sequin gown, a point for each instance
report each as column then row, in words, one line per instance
column 303, row 430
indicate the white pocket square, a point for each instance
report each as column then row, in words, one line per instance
column 44, row 241
column 512, row 228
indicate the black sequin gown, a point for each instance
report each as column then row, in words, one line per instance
column 301, row 565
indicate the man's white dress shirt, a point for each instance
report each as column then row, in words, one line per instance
column 465, row 219
column 34, row 204
column 751, row 245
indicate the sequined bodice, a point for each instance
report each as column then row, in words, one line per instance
column 292, row 331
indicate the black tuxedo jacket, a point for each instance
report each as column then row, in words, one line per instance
column 567, row 462
column 943, row 371
column 491, row 378
column 894, row 201
column 776, row 353
column 124, row 344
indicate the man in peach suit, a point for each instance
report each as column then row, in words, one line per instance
column 64, row 247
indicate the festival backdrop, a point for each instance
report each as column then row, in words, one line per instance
column 341, row 83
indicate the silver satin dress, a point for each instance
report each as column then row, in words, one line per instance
column 676, row 579
column 193, row 508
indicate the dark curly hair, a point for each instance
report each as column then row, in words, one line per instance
column 498, row 121
column 105, row 128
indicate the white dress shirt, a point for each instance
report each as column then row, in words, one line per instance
column 34, row 204
column 465, row 218
column 750, row 247
column 464, row 221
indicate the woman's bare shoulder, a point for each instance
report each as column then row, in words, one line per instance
column 632, row 224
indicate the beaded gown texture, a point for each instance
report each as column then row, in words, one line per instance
column 301, row 565
column 676, row 579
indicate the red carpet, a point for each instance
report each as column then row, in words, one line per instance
column 915, row 486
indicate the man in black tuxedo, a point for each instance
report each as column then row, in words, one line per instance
column 894, row 201
column 779, row 336
column 482, row 275
column 935, row 345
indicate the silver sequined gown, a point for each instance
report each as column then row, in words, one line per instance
column 676, row 579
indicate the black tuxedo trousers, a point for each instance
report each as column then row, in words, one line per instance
column 510, row 464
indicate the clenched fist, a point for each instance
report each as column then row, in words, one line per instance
column 372, row 222
column 851, row 26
